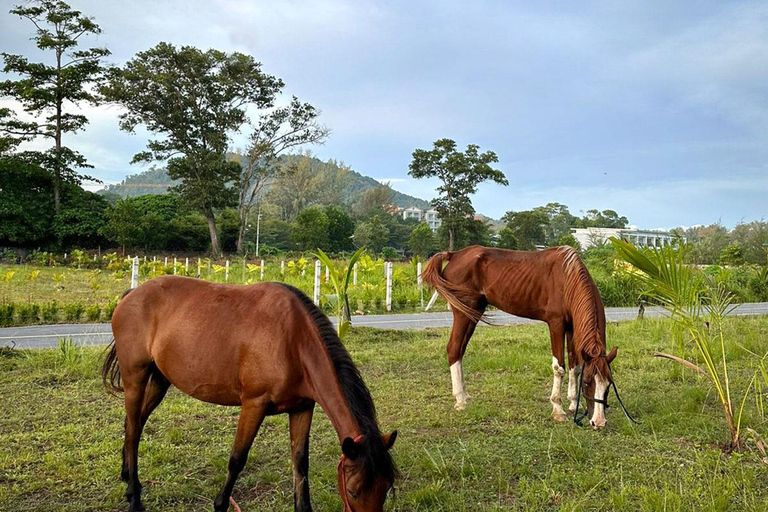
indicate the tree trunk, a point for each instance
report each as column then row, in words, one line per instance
column 241, row 231
column 57, row 138
column 450, row 239
column 212, row 230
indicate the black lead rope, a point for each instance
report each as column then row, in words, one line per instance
column 578, row 418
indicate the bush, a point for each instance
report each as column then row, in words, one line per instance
column 389, row 253
column 73, row 311
column 92, row 312
column 6, row 314
column 109, row 309
column 28, row 313
column 49, row 312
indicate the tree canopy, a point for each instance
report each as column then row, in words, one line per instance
column 193, row 100
column 46, row 91
column 460, row 174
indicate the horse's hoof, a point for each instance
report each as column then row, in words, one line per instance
column 136, row 506
column 559, row 417
column 460, row 406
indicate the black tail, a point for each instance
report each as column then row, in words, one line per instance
column 110, row 371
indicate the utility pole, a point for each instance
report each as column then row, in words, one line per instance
column 258, row 229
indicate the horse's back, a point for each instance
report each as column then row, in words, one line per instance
column 211, row 340
column 522, row 283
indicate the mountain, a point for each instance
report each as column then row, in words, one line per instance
column 156, row 181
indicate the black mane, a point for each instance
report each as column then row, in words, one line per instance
column 376, row 460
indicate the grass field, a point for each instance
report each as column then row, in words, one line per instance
column 60, row 433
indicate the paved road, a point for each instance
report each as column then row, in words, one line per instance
column 46, row 336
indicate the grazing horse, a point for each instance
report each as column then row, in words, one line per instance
column 266, row 348
column 552, row 285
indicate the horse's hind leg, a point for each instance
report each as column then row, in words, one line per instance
column 300, row 422
column 135, row 383
column 462, row 331
column 557, row 335
column 154, row 393
column 251, row 415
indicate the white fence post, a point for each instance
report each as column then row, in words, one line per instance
column 388, row 266
column 226, row 271
column 186, row 266
column 174, row 265
column 135, row 272
column 327, row 273
column 316, row 294
column 165, row 262
column 354, row 274
column 261, row 277
column 420, row 283
column 199, row 268
column 282, row 268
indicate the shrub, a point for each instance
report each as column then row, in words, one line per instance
column 28, row 313
column 92, row 312
column 73, row 311
column 49, row 312
column 6, row 314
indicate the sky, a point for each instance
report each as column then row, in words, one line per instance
column 655, row 109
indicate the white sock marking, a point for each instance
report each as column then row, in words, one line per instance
column 557, row 381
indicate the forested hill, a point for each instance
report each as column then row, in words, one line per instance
column 156, row 181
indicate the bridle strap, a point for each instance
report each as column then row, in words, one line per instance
column 343, row 478
column 578, row 418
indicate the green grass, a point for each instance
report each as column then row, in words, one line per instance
column 60, row 433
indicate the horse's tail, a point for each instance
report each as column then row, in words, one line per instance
column 110, row 371
column 457, row 296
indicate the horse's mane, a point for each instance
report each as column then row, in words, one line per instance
column 375, row 459
column 584, row 303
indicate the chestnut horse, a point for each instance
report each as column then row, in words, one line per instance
column 266, row 348
column 552, row 285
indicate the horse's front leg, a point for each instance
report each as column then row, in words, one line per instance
column 557, row 335
column 573, row 372
column 299, row 424
column 251, row 416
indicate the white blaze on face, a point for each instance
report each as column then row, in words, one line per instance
column 598, row 415
column 457, row 379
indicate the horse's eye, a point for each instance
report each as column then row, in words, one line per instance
column 352, row 495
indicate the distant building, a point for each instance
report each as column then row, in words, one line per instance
column 588, row 237
column 429, row 216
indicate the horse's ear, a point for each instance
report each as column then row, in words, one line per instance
column 389, row 439
column 350, row 448
column 612, row 354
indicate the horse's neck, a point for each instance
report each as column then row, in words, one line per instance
column 328, row 392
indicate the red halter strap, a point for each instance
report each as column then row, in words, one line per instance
column 343, row 479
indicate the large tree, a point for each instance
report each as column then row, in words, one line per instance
column 460, row 174
column 278, row 130
column 528, row 228
column 48, row 91
column 193, row 100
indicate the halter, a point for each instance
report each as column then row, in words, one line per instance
column 343, row 478
column 578, row 418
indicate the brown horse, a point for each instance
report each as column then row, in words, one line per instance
column 552, row 285
column 266, row 348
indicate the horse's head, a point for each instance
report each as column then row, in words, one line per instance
column 596, row 381
column 366, row 472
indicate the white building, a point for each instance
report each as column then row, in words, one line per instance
column 588, row 237
column 429, row 216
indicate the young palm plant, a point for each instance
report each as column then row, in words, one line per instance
column 340, row 281
column 698, row 305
